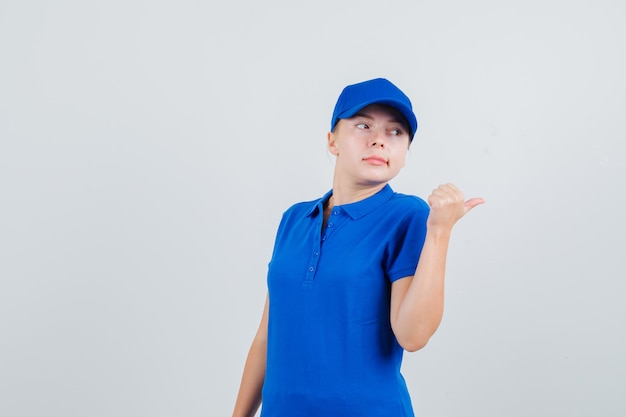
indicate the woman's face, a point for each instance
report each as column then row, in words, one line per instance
column 371, row 146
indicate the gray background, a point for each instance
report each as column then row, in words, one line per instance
column 148, row 149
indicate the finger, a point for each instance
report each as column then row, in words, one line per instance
column 447, row 190
column 440, row 197
column 452, row 187
column 473, row 202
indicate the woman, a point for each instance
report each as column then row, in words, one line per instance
column 346, row 293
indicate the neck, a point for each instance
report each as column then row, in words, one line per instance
column 351, row 194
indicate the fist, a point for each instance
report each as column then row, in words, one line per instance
column 448, row 205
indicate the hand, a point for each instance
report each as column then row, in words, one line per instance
column 448, row 205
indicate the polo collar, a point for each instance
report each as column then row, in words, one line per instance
column 358, row 209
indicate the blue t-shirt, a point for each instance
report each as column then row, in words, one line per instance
column 331, row 351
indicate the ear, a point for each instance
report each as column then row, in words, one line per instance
column 332, row 144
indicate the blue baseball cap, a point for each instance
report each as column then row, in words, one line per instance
column 377, row 91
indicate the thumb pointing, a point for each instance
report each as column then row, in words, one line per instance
column 473, row 202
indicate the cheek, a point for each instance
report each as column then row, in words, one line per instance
column 401, row 156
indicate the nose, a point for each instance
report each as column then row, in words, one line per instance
column 377, row 140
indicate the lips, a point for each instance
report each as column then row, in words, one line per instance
column 375, row 160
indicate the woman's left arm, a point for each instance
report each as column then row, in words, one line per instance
column 417, row 301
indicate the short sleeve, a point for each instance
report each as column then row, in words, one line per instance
column 405, row 246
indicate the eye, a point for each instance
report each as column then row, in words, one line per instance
column 362, row 126
column 396, row 132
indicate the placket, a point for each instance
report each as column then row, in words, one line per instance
column 337, row 216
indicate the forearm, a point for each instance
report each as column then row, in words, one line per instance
column 249, row 397
column 420, row 309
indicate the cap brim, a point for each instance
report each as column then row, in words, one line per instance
column 401, row 107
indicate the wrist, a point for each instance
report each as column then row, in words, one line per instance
column 439, row 233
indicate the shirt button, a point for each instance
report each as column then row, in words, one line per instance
column 316, row 253
column 324, row 237
column 330, row 225
column 336, row 212
column 311, row 269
